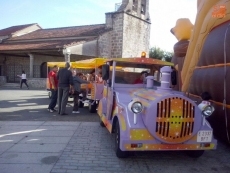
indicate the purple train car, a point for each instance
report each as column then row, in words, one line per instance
column 150, row 115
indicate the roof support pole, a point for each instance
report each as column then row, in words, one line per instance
column 67, row 53
column 31, row 65
column 67, row 57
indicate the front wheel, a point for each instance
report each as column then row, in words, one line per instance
column 102, row 124
column 118, row 151
column 195, row 153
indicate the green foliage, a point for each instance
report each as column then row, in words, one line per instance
column 158, row 53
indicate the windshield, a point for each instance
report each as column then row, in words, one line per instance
column 136, row 74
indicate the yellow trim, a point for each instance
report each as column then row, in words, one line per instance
column 152, row 147
column 213, row 66
column 140, row 134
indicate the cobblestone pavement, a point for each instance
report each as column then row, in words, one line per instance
column 91, row 149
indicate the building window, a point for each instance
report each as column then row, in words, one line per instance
column 143, row 6
column 142, row 9
column 135, row 5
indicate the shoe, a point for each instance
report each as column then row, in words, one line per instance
column 75, row 112
column 64, row 114
column 50, row 110
column 55, row 110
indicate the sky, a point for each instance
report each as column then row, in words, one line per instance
column 64, row 13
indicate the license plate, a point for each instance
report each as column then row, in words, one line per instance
column 204, row 136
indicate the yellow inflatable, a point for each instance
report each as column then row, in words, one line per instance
column 183, row 29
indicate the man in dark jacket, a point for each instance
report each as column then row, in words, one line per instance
column 65, row 83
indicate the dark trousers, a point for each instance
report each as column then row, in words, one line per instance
column 75, row 100
column 53, row 100
column 23, row 81
column 63, row 95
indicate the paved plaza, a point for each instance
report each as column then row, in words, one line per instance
column 35, row 141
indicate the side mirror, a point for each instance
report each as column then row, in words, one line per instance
column 105, row 72
column 173, row 77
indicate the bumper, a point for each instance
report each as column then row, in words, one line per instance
column 147, row 146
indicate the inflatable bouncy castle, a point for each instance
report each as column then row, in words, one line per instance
column 203, row 60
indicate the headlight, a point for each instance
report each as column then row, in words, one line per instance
column 208, row 110
column 136, row 107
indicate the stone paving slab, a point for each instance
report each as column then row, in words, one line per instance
column 29, row 158
column 25, row 168
column 60, row 127
column 45, row 140
column 61, row 123
column 18, row 127
column 11, row 139
column 37, row 148
column 21, row 123
column 45, row 132
column 5, row 146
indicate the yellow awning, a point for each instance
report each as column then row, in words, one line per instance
column 89, row 63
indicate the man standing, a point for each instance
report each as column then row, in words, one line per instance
column 53, row 84
column 65, row 83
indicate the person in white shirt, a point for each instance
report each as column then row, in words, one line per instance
column 23, row 79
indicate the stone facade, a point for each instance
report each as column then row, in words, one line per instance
column 104, row 45
column 135, row 36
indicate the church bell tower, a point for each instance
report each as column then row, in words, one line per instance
column 130, row 25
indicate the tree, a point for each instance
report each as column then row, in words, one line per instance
column 158, row 53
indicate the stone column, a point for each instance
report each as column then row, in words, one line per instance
column 67, row 53
column 67, row 57
column 31, row 65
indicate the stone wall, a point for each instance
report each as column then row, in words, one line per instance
column 37, row 83
column 115, row 21
column 2, row 80
column 105, row 45
column 136, row 36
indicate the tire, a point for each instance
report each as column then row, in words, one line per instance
column 102, row 124
column 118, row 151
column 50, row 94
column 92, row 107
column 80, row 104
column 195, row 153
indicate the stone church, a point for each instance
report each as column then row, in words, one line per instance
column 125, row 33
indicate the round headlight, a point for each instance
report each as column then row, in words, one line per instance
column 137, row 107
column 208, row 110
